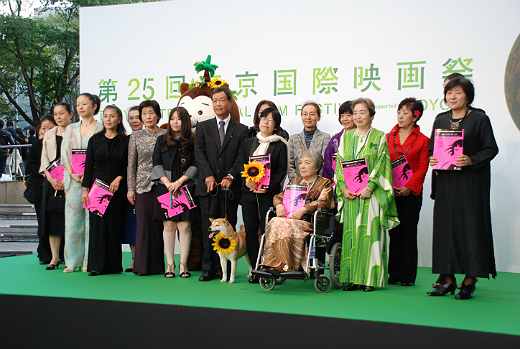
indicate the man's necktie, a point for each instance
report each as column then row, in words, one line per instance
column 221, row 132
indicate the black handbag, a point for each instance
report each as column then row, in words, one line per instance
column 56, row 202
column 29, row 193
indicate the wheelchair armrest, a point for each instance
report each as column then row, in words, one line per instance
column 270, row 214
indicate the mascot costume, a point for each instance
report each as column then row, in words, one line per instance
column 196, row 98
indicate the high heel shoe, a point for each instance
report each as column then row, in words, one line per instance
column 69, row 270
column 170, row 274
column 53, row 266
column 185, row 274
column 441, row 291
column 466, row 291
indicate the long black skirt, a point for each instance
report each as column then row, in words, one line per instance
column 149, row 245
column 106, row 234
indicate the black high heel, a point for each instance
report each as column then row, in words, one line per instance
column 53, row 266
column 466, row 291
column 170, row 273
column 441, row 291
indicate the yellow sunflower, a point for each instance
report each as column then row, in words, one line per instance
column 223, row 244
column 217, row 82
column 253, row 171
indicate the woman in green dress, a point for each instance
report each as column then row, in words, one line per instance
column 367, row 213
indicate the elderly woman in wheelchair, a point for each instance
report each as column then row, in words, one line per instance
column 287, row 235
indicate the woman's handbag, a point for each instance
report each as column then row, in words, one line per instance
column 56, row 202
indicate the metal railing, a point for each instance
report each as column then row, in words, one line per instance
column 14, row 166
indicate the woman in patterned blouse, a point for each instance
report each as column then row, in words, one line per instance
column 149, row 248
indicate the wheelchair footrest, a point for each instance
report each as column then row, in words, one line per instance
column 294, row 275
column 263, row 274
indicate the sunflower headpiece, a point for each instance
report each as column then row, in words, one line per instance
column 253, row 171
column 223, row 244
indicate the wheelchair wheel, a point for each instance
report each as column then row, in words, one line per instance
column 322, row 284
column 267, row 283
column 334, row 265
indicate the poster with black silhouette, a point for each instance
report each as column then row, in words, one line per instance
column 447, row 146
column 175, row 204
column 401, row 172
column 356, row 174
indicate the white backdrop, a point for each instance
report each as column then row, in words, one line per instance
column 293, row 51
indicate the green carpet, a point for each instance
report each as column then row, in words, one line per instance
column 494, row 307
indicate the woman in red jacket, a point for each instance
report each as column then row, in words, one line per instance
column 408, row 149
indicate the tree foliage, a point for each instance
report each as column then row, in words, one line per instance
column 39, row 54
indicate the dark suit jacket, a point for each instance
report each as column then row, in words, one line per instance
column 216, row 160
column 278, row 151
column 163, row 162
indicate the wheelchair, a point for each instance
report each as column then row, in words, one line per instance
column 323, row 222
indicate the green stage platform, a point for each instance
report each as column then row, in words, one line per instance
column 495, row 307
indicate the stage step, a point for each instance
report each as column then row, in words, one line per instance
column 17, row 211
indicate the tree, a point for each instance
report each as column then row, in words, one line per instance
column 39, row 59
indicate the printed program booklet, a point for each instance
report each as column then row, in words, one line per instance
column 178, row 203
column 401, row 172
column 99, row 197
column 356, row 174
column 265, row 160
column 55, row 169
column 447, row 146
column 294, row 197
column 77, row 159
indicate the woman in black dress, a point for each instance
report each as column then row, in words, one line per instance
column 107, row 156
column 174, row 166
column 53, row 211
column 34, row 183
column 256, row 201
column 462, row 237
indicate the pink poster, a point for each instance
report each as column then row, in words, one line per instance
column 265, row 160
column 401, row 172
column 294, row 197
column 356, row 174
column 55, row 169
column 99, row 197
column 176, row 204
column 448, row 145
column 77, row 159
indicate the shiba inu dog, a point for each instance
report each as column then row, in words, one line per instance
column 223, row 226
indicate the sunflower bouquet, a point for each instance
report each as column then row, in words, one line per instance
column 253, row 171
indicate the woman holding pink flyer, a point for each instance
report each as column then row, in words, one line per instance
column 368, row 212
column 52, row 222
column 462, row 235
column 265, row 157
column 107, row 157
column 174, row 167
column 285, row 248
column 408, row 149
column 77, row 225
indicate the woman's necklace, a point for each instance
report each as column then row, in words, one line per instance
column 60, row 131
column 402, row 153
column 363, row 139
column 312, row 185
column 110, row 135
column 455, row 124
column 84, row 123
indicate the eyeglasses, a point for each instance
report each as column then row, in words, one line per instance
column 265, row 119
column 310, row 114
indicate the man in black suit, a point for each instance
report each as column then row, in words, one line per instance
column 217, row 145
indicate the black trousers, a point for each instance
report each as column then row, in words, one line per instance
column 253, row 213
column 402, row 263
column 215, row 207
